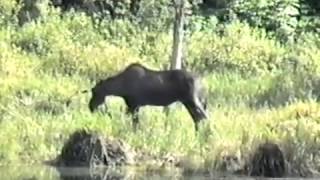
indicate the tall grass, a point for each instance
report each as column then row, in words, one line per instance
column 254, row 92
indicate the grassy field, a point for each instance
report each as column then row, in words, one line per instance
column 256, row 92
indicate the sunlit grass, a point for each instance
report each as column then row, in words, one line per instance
column 29, row 136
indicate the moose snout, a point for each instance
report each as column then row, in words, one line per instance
column 202, row 113
column 91, row 108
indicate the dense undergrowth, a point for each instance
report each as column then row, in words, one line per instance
column 259, row 88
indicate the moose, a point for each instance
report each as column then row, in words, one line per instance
column 140, row 86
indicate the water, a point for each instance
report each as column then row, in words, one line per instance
column 51, row 173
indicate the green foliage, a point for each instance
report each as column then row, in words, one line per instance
column 240, row 48
column 8, row 10
column 289, row 87
column 155, row 14
column 284, row 19
column 278, row 16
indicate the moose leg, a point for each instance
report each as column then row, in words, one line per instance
column 134, row 111
column 166, row 110
column 193, row 114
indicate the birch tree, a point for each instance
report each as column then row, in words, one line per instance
column 178, row 34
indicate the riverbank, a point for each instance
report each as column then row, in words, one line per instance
column 230, row 132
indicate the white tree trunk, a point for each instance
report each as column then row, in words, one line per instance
column 177, row 47
column 178, row 34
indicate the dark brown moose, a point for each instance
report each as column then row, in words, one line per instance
column 140, row 86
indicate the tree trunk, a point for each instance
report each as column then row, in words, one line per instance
column 176, row 58
column 177, row 47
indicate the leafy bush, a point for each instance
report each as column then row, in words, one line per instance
column 278, row 16
column 240, row 48
column 289, row 87
column 285, row 19
column 8, row 12
column 93, row 62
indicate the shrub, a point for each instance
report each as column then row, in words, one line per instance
column 93, row 62
column 240, row 48
column 8, row 11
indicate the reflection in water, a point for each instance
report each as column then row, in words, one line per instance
column 89, row 174
column 114, row 174
column 51, row 173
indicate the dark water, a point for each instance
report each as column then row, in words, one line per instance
column 51, row 173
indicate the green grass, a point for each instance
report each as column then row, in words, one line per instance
column 30, row 134
column 42, row 65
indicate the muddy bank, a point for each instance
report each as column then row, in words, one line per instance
column 271, row 160
column 268, row 161
column 90, row 149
